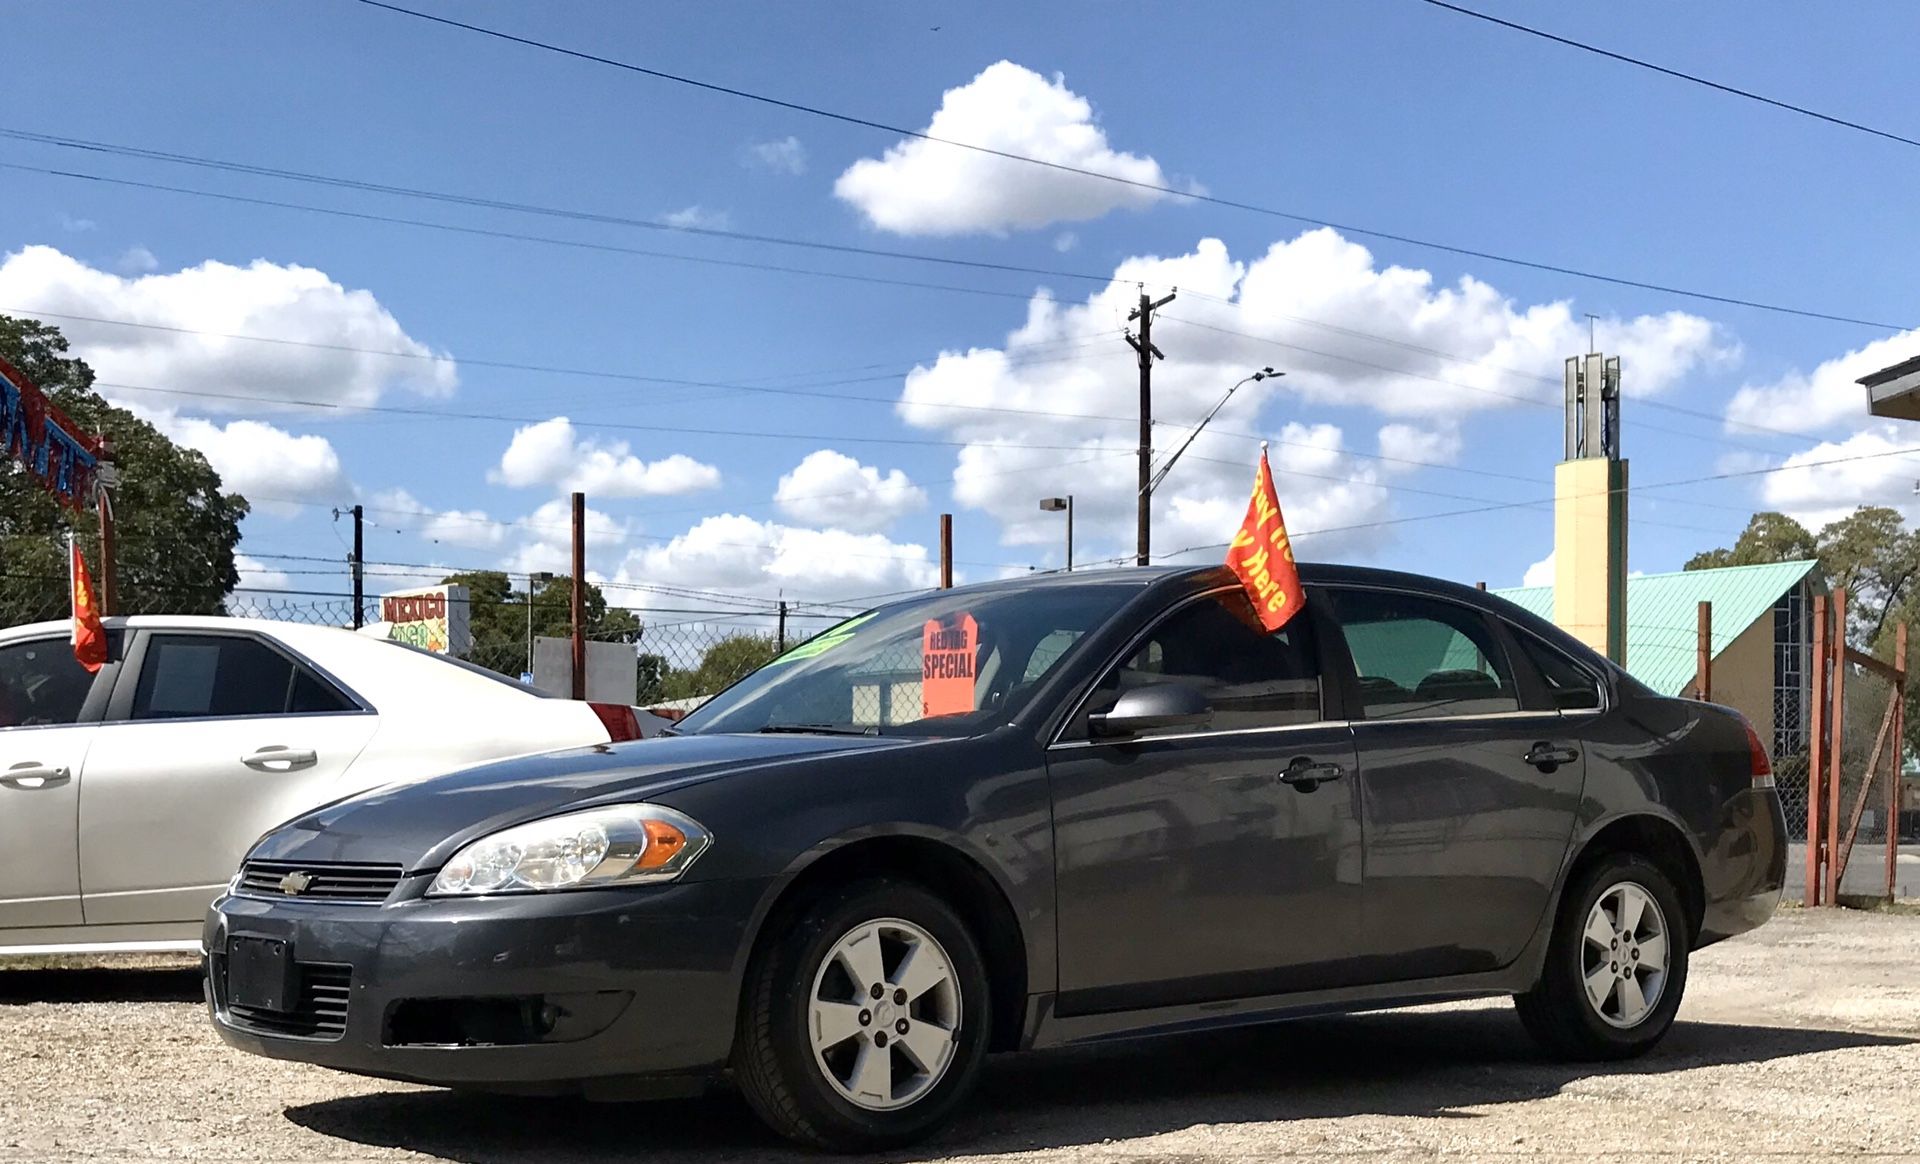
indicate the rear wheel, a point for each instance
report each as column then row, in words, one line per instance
column 865, row 1023
column 1616, row 966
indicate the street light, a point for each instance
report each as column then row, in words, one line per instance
column 1262, row 374
column 1062, row 505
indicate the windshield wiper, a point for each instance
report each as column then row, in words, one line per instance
column 819, row 729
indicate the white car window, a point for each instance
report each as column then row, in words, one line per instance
column 223, row 675
column 41, row 683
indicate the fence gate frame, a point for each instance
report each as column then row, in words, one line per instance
column 1828, row 848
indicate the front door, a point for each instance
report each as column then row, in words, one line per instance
column 222, row 737
column 1189, row 869
column 43, row 743
column 1470, row 789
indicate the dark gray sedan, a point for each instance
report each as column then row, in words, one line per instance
column 1022, row 815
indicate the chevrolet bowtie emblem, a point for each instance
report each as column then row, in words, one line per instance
column 294, row 884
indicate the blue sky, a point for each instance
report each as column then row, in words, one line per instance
column 1385, row 114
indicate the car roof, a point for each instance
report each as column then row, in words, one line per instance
column 1311, row 573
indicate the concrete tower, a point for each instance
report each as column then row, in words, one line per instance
column 1590, row 511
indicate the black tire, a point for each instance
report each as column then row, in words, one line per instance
column 773, row 1058
column 1558, row 1012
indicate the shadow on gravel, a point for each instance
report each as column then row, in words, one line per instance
column 1428, row 1064
column 99, row 984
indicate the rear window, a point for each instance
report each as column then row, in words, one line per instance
column 472, row 669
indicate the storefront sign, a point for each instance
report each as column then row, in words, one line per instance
column 434, row 619
column 42, row 440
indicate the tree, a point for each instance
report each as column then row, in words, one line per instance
column 497, row 616
column 721, row 665
column 1769, row 537
column 175, row 530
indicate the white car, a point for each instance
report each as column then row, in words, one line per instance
column 127, row 798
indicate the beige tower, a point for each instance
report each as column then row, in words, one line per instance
column 1590, row 511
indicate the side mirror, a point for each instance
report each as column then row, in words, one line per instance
column 1159, row 705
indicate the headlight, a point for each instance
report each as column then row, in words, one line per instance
column 625, row 844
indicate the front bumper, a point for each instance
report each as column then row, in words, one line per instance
column 540, row 992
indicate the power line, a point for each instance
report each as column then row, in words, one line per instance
column 1677, row 74
column 1138, row 184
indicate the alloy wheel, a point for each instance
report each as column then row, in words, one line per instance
column 884, row 1014
column 1624, row 955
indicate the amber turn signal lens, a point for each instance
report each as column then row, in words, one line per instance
column 664, row 842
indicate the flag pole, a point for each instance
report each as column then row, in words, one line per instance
column 73, row 621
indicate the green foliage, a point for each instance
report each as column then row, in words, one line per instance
column 175, row 530
column 1769, row 537
column 724, row 663
column 498, row 617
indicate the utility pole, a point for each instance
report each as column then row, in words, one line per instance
column 1143, row 344
column 106, row 476
column 579, row 596
column 780, row 636
column 359, row 567
column 946, row 551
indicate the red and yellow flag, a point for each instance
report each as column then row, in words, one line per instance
column 1263, row 558
column 89, row 636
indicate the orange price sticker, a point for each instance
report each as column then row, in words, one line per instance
column 947, row 652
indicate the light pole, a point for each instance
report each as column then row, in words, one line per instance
column 1058, row 505
column 1262, row 374
column 535, row 578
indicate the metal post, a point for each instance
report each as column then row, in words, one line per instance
column 1816, row 751
column 1069, row 533
column 579, row 596
column 1703, row 655
column 1836, row 728
column 104, row 478
column 780, row 636
column 359, row 569
column 529, row 622
column 1899, row 755
column 946, row 551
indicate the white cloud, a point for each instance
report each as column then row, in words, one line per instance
column 399, row 509
column 547, row 540
column 188, row 312
column 832, row 489
column 931, row 188
column 1407, row 443
column 257, row 575
column 1065, row 241
column 274, row 469
column 1871, row 472
column 698, row 217
column 73, row 225
column 742, row 555
column 136, row 260
column 1347, row 333
column 1799, row 402
column 1540, row 573
column 783, row 156
column 552, row 453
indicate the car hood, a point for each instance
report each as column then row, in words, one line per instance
column 420, row 824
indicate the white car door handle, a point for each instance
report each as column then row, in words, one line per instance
column 32, row 775
column 279, row 758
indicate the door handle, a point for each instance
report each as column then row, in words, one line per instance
column 1547, row 757
column 32, row 774
column 1306, row 775
column 280, row 758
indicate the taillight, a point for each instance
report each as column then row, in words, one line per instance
column 619, row 720
column 1757, row 757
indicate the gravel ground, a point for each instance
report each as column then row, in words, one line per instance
column 1800, row 1041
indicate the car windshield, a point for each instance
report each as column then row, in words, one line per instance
column 952, row 664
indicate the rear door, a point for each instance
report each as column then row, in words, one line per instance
column 219, row 736
column 1196, row 864
column 47, row 713
column 1470, row 785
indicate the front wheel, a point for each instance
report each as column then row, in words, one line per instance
column 864, row 1024
column 1616, row 966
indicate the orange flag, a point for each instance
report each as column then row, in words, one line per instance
column 89, row 636
column 1263, row 558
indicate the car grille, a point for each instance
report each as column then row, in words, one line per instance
column 322, row 881
column 320, row 1013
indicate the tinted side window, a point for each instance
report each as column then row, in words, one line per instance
column 1571, row 688
column 41, row 683
column 1421, row 657
column 1217, row 646
column 218, row 675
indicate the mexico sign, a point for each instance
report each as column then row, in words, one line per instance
column 433, row 619
column 43, row 441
